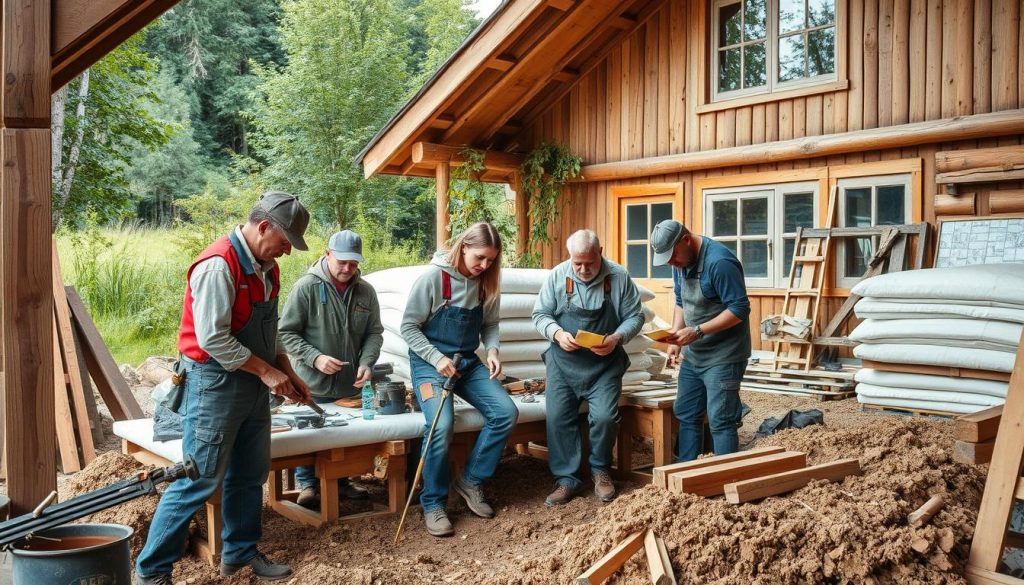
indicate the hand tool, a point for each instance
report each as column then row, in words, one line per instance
column 446, row 390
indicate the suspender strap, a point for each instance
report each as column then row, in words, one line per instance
column 568, row 286
column 446, row 286
column 607, row 285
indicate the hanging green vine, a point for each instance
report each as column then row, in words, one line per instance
column 545, row 172
column 471, row 200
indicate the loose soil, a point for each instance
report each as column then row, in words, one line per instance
column 850, row 532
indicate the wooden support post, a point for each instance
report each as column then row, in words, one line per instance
column 522, row 215
column 26, row 304
column 443, row 220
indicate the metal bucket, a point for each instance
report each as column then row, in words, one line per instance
column 97, row 554
column 390, row 397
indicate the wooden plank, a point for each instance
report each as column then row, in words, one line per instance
column 937, row 371
column 104, row 371
column 900, row 103
column 1006, row 201
column 1005, row 17
column 933, row 95
column 976, row 576
column 949, row 45
column 66, row 443
column 710, row 481
column 613, row 561
column 871, row 49
column 973, row 453
column 982, row 69
column 855, row 105
column 430, row 154
column 1002, row 157
column 25, row 97
column 678, row 89
column 661, row 474
column 886, row 70
column 26, row 374
column 658, row 563
column 964, row 57
column 980, row 426
column 918, row 59
column 66, row 333
column 981, row 175
column 781, row 483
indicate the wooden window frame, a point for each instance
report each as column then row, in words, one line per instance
column 620, row 192
column 712, row 101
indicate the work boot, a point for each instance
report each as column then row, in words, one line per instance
column 563, row 494
column 261, row 567
column 350, row 491
column 437, row 523
column 604, row 489
column 309, row 498
column 161, row 579
column 474, row 496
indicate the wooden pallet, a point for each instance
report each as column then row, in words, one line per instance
column 821, row 395
column 846, row 373
column 834, row 385
column 909, row 411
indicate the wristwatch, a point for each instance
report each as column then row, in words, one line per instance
column 699, row 332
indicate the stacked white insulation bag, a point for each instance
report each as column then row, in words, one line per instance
column 962, row 317
column 521, row 344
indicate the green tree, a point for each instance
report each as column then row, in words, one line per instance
column 445, row 25
column 100, row 120
column 346, row 75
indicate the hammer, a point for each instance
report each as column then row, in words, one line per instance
column 317, row 423
column 446, row 390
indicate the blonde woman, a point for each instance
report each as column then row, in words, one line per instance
column 452, row 308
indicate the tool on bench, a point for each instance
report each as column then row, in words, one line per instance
column 47, row 516
column 446, row 390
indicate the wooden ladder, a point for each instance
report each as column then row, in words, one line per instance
column 803, row 293
column 1004, row 488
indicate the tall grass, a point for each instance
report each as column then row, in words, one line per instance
column 133, row 280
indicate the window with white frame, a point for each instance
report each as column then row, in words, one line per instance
column 762, row 46
column 758, row 222
column 868, row 202
column 641, row 217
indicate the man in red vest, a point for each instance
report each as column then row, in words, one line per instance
column 232, row 360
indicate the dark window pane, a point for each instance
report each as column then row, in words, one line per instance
column 723, row 218
column 755, row 20
column 664, row 271
column 891, row 208
column 791, row 15
column 791, row 57
column 755, row 65
column 754, row 257
column 858, row 252
column 754, row 216
column 858, row 207
column 729, row 69
column 821, row 12
column 731, row 244
column 636, row 222
column 636, row 260
column 821, row 52
column 798, row 211
column 787, row 254
column 729, row 25
column 660, row 212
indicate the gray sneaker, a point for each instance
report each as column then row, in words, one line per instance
column 563, row 494
column 261, row 567
column 437, row 523
column 161, row 579
column 474, row 496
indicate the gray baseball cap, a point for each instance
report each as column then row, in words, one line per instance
column 663, row 240
column 346, row 245
column 288, row 213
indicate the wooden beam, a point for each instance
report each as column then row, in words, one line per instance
column 442, row 223
column 658, row 562
column 612, row 561
column 980, row 426
column 623, row 21
column 936, row 371
column 981, row 175
column 86, row 30
column 430, row 154
column 1004, row 157
column 463, row 67
column 973, row 453
column 522, row 208
column 1004, row 123
column 661, row 474
column 562, row 5
column 781, row 483
column 710, row 481
column 25, row 96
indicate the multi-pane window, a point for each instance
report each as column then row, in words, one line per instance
column 640, row 221
column 762, row 46
column 868, row 202
column 756, row 222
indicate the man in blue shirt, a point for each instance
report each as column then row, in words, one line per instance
column 710, row 322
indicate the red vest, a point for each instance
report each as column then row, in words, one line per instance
column 249, row 289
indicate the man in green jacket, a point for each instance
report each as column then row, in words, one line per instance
column 332, row 330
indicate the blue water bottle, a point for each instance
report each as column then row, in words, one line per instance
column 369, row 410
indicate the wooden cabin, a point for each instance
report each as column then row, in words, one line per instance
column 736, row 117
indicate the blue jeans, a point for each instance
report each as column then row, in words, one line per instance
column 305, row 475
column 500, row 415
column 562, row 408
column 226, row 423
column 716, row 391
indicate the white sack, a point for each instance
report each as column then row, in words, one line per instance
column 935, row 355
column 872, row 308
column 872, row 391
column 987, row 284
column 978, row 334
column 932, row 383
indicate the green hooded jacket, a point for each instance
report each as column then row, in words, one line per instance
column 318, row 320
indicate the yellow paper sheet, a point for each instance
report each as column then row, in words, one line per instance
column 587, row 339
column 658, row 334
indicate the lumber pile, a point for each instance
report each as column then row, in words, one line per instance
column 747, row 476
column 654, row 549
column 976, row 436
column 813, row 383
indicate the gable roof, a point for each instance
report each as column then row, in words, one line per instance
column 517, row 64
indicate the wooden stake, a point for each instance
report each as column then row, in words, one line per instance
column 657, row 560
column 922, row 515
column 612, row 561
column 68, row 351
column 65, row 432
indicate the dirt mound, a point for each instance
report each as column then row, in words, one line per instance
column 106, row 470
column 853, row 532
